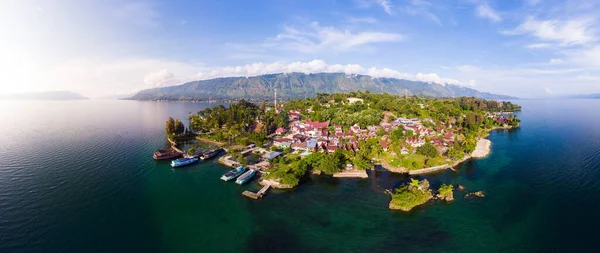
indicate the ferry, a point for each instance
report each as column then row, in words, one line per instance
column 245, row 177
column 210, row 154
column 164, row 154
column 233, row 173
column 183, row 162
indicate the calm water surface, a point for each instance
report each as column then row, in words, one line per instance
column 77, row 176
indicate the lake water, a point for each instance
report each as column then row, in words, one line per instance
column 78, row 176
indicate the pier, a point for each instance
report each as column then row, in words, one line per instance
column 257, row 195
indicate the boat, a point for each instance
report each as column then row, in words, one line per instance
column 210, row 154
column 245, row 177
column 233, row 173
column 183, row 162
column 164, row 154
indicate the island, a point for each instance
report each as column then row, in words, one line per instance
column 345, row 134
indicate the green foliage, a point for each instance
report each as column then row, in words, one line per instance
column 406, row 198
column 170, row 126
column 414, row 182
column 428, row 150
column 361, row 163
column 414, row 161
column 446, row 190
column 174, row 127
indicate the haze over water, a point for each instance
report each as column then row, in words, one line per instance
column 78, row 176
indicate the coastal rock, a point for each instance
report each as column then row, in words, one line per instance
column 316, row 172
column 393, row 206
column 461, row 188
column 274, row 184
column 352, row 174
column 424, row 184
column 478, row 194
column 446, row 198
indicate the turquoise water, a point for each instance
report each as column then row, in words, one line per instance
column 77, row 176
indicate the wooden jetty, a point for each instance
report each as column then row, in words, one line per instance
column 257, row 195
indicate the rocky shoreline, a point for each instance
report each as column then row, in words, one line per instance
column 351, row 174
column 274, row 184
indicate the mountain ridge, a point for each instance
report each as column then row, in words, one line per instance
column 300, row 85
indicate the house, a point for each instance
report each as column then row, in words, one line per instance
column 285, row 145
column 299, row 146
column 337, row 129
column 355, row 129
column 311, row 144
column 280, row 131
column 279, row 141
column 415, row 141
column 449, row 136
column 331, row 148
column 316, row 124
column 294, row 115
column 384, row 144
column 271, row 154
column 404, row 151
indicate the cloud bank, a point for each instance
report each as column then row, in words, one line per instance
column 319, row 66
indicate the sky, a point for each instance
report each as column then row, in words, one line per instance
column 524, row 48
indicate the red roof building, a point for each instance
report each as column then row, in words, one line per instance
column 280, row 130
column 317, row 124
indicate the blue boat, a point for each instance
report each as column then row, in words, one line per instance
column 183, row 162
column 233, row 173
column 245, row 177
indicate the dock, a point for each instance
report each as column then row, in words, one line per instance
column 257, row 195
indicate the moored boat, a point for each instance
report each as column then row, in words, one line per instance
column 233, row 173
column 245, row 177
column 164, row 154
column 210, row 154
column 183, row 162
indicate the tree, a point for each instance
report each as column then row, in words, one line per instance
column 428, row 150
column 179, row 127
column 414, row 183
column 361, row 163
column 263, row 106
column 170, row 126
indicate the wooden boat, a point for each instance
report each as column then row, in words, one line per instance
column 164, row 154
column 210, row 154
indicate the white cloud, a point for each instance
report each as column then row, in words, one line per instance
column 555, row 61
column 538, row 45
column 588, row 57
column 483, row 10
column 317, row 38
column 319, row 66
column 160, row 78
column 421, row 7
column 368, row 20
column 566, row 32
column 98, row 78
column 385, row 4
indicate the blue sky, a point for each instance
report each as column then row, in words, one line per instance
column 526, row 48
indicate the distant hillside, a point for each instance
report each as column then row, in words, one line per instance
column 299, row 85
column 595, row 95
column 46, row 95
